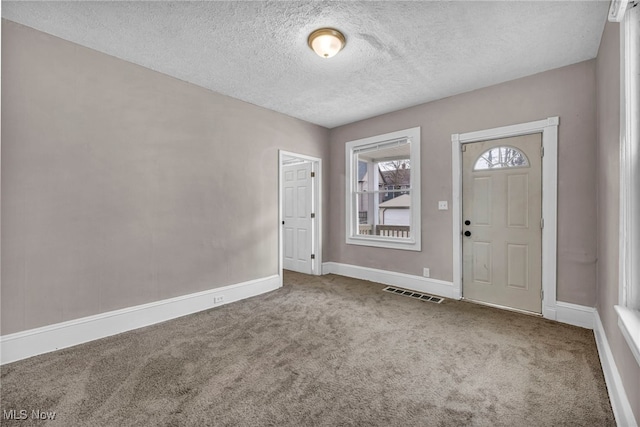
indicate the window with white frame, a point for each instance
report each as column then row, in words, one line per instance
column 629, row 301
column 383, row 191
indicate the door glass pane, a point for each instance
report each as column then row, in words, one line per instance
column 501, row 157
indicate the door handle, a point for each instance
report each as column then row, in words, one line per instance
column 467, row 222
column 467, row 233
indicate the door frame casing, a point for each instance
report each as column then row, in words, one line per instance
column 549, row 129
column 316, row 166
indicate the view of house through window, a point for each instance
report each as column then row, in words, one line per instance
column 382, row 195
column 501, row 157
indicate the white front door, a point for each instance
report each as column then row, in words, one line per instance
column 502, row 220
column 297, row 221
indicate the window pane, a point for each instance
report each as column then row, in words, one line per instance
column 501, row 157
column 395, row 175
column 362, row 177
column 396, row 211
column 383, row 197
column 390, row 218
column 365, row 213
column 382, row 166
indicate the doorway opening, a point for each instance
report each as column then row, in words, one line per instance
column 300, row 213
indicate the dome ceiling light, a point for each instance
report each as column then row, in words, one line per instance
column 326, row 42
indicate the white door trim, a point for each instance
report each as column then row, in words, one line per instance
column 549, row 130
column 316, row 167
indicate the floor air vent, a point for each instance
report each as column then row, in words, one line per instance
column 416, row 295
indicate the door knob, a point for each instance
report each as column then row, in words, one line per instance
column 467, row 222
column 467, row 233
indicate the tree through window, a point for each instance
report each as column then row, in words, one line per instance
column 501, row 157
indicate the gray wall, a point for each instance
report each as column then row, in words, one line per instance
column 566, row 92
column 608, row 169
column 122, row 186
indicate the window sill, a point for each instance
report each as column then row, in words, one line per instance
column 629, row 323
column 381, row 242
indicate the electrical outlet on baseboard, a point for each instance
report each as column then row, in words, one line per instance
column 218, row 299
column 425, row 272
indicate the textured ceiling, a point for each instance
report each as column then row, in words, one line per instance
column 398, row 54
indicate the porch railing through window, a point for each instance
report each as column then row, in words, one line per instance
column 384, row 230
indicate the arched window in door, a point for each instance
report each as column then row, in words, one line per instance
column 500, row 158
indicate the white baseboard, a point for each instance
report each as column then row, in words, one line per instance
column 618, row 397
column 402, row 280
column 573, row 314
column 22, row 345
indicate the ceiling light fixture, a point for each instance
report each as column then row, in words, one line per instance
column 326, row 42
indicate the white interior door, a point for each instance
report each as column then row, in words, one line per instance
column 502, row 221
column 296, row 215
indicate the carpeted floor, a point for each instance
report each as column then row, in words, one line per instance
column 328, row 351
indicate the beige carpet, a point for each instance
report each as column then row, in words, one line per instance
column 328, row 351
